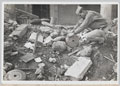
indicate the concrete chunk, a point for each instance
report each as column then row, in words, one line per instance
column 28, row 57
column 46, row 29
column 32, row 37
column 38, row 59
column 79, row 68
column 47, row 40
column 20, row 31
column 29, row 45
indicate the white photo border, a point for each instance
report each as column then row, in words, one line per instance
column 56, row 82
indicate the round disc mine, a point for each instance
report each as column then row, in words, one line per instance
column 72, row 41
column 15, row 75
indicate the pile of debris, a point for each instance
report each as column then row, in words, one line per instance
column 45, row 52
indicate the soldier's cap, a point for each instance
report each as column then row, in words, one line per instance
column 79, row 9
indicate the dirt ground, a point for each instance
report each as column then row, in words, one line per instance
column 101, row 69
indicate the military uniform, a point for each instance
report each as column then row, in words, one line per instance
column 92, row 20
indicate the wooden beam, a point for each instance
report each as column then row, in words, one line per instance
column 29, row 14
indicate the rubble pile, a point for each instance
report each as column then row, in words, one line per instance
column 46, row 52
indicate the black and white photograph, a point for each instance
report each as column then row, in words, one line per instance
column 60, row 42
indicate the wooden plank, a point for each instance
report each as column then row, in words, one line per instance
column 28, row 14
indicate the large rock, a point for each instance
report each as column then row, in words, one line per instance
column 59, row 46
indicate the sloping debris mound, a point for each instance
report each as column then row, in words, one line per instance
column 57, row 53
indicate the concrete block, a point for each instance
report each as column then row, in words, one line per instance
column 79, row 68
column 32, row 37
column 28, row 57
column 20, row 31
column 47, row 40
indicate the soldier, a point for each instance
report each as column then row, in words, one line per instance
column 88, row 19
column 94, row 21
